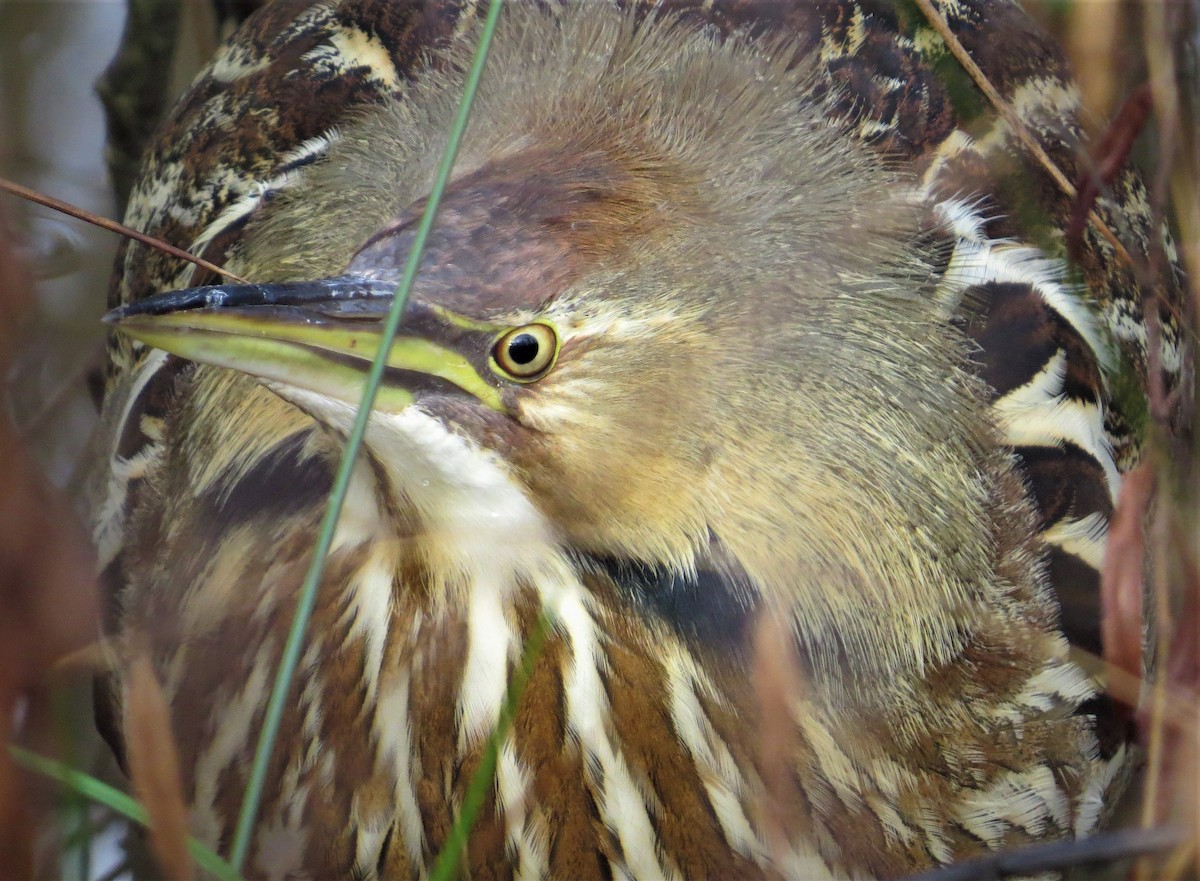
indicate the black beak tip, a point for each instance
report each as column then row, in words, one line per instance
column 347, row 289
column 209, row 297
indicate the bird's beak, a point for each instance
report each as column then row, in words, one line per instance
column 319, row 336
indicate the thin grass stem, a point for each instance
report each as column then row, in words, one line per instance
column 308, row 591
column 445, row 868
column 100, row 792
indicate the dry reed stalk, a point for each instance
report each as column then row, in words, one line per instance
column 154, row 766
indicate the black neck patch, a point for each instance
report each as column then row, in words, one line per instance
column 714, row 607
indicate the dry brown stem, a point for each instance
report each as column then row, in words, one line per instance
column 779, row 686
column 154, row 766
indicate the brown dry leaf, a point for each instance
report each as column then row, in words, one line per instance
column 1121, row 581
column 779, row 684
column 95, row 657
column 17, row 823
column 154, row 767
column 48, row 602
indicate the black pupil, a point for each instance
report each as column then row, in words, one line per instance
column 523, row 348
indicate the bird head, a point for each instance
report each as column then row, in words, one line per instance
column 664, row 298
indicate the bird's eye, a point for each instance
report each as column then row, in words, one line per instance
column 528, row 352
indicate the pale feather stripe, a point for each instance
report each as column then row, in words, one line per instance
column 254, row 193
column 723, row 783
column 1037, row 414
column 281, row 837
column 313, row 20
column 369, row 610
column 895, row 830
column 233, row 61
column 108, row 531
column 143, row 373
column 490, row 645
column 392, row 729
column 491, row 648
column 870, row 128
column 1082, row 537
column 159, row 197
column 513, row 790
column 361, row 520
column 478, row 526
column 1042, row 104
column 979, row 260
column 832, row 761
column 229, row 740
column 623, row 807
column 806, row 866
column 1055, row 685
column 950, row 147
column 1026, row 800
column 368, row 845
column 1094, row 798
column 312, row 694
column 935, row 836
column 892, row 781
column 359, row 49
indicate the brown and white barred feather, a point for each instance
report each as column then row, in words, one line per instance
column 1052, row 347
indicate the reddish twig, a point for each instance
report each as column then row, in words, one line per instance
column 1121, row 582
column 112, row 226
column 1108, row 158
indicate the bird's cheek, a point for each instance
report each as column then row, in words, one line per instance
column 498, row 433
column 607, row 498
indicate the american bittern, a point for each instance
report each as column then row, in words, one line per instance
column 717, row 327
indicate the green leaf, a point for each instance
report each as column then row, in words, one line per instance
column 117, row 801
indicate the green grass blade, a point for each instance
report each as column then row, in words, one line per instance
column 308, row 591
column 446, row 866
column 76, row 847
column 100, row 792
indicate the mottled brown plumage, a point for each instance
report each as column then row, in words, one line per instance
column 810, row 363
